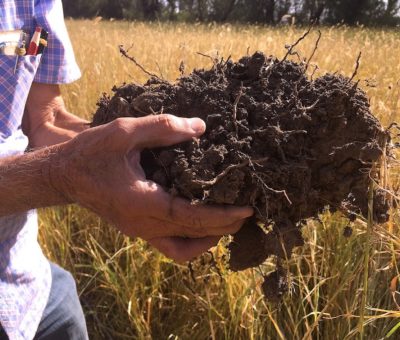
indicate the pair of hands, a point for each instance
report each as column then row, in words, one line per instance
column 100, row 169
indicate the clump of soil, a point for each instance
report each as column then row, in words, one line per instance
column 276, row 140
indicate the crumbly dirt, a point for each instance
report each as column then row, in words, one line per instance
column 276, row 140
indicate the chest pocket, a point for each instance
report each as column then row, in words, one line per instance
column 16, row 77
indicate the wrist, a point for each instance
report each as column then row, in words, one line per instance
column 27, row 181
column 55, row 175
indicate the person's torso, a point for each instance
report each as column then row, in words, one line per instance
column 25, row 278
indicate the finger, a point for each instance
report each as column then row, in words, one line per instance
column 162, row 130
column 184, row 249
column 230, row 229
column 154, row 228
column 181, row 211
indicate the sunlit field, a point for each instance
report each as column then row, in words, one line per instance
column 341, row 287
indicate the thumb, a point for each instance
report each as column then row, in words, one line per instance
column 164, row 130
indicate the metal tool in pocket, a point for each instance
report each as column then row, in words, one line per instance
column 12, row 43
column 8, row 41
column 20, row 50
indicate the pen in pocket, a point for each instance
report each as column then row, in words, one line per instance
column 34, row 44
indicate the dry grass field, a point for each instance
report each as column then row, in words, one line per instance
column 341, row 287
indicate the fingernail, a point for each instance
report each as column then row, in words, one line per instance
column 197, row 125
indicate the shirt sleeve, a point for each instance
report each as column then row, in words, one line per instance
column 58, row 64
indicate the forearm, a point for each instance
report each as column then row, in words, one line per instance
column 46, row 120
column 100, row 170
column 26, row 182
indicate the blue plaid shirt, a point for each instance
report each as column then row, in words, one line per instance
column 25, row 278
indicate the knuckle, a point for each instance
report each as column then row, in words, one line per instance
column 167, row 122
column 194, row 231
column 120, row 129
column 197, row 223
column 119, row 124
column 196, row 227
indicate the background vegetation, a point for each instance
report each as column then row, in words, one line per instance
column 351, row 12
column 341, row 287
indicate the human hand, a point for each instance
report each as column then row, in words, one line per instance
column 100, row 169
column 46, row 120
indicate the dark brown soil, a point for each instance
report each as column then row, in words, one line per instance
column 276, row 140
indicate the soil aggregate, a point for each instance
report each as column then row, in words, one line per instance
column 276, row 140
